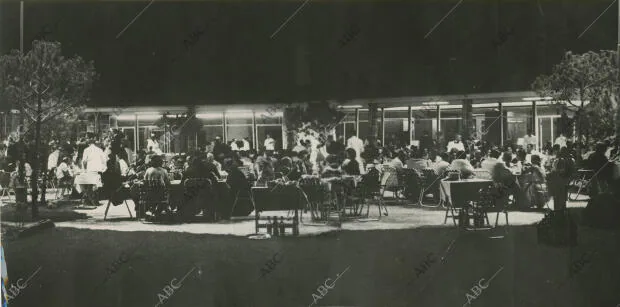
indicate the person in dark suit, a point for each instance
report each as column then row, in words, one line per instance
column 426, row 142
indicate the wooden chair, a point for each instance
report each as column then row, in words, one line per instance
column 154, row 197
column 114, row 194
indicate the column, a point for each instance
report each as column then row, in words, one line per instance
column 382, row 126
column 136, row 134
column 501, row 127
column 534, row 124
column 467, row 116
column 254, row 132
column 357, row 122
column 409, row 130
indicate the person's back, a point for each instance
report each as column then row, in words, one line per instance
column 157, row 174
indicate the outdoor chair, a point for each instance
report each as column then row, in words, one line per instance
column 581, row 179
column 154, row 197
column 314, row 194
column 373, row 190
column 430, row 183
column 5, row 184
column 243, row 193
column 192, row 187
column 64, row 184
column 489, row 200
column 389, row 181
column 118, row 193
column 408, row 182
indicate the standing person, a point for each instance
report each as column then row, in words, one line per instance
column 220, row 149
column 529, row 139
column 270, row 143
column 94, row 163
column 456, row 144
column 559, row 177
column 152, row 144
column 356, row 143
column 426, row 142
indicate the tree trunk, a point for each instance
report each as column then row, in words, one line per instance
column 35, row 168
column 43, row 167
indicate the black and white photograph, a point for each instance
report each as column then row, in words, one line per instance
column 320, row 153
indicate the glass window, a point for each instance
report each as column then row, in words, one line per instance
column 518, row 121
column 211, row 132
column 239, row 118
column 211, row 119
column 424, row 121
column 275, row 132
column 239, row 132
column 349, row 116
column 268, row 119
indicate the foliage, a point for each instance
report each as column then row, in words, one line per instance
column 61, row 84
column 50, row 91
column 593, row 77
column 186, row 123
column 313, row 118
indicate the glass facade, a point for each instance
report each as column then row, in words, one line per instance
column 493, row 122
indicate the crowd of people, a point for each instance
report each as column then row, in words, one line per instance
column 107, row 162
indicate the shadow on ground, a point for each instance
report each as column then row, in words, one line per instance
column 225, row 270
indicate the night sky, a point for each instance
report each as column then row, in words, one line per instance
column 234, row 60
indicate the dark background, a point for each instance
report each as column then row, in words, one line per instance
column 236, row 61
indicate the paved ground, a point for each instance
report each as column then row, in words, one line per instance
column 85, row 261
column 400, row 217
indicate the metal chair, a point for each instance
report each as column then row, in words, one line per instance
column 373, row 190
column 430, row 182
column 113, row 194
column 581, row 179
column 389, row 181
column 5, row 182
column 242, row 194
column 314, row 194
column 154, row 197
column 488, row 200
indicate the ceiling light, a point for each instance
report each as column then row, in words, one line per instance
column 537, row 98
column 351, row 107
column 435, row 103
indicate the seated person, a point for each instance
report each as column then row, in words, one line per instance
column 463, row 166
column 441, row 163
column 535, row 184
column 156, row 171
column 332, row 169
column 284, row 166
column 493, row 159
column 418, row 161
column 351, row 166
